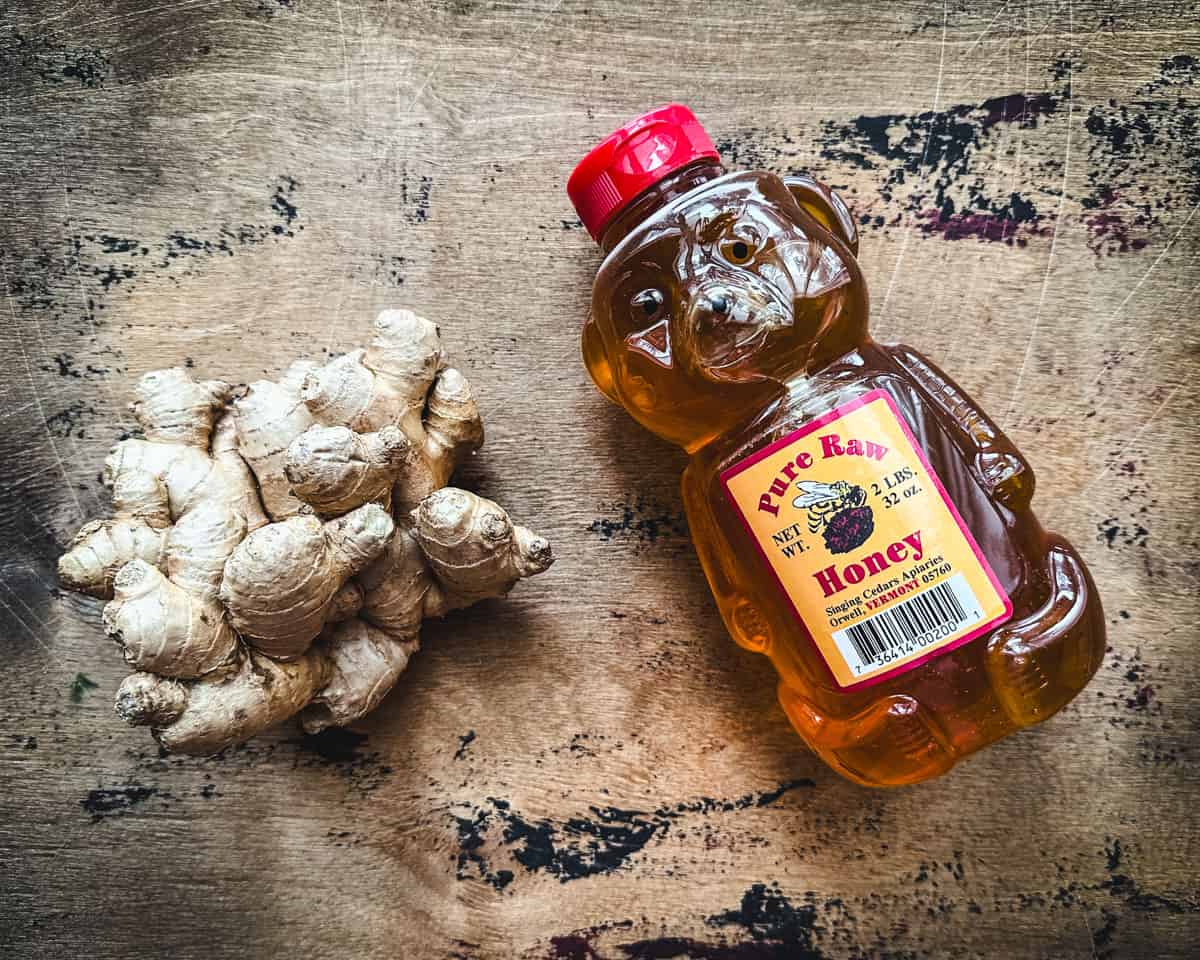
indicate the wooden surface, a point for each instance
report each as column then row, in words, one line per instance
column 592, row 769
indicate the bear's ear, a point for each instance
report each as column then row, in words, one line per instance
column 827, row 207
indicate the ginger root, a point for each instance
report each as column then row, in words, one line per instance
column 165, row 629
column 205, row 717
column 274, row 548
column 281, row 580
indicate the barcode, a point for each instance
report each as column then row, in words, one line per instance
column 910, row 626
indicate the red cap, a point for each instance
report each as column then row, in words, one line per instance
column 638, row 155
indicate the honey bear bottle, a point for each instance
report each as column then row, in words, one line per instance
column 860, row 520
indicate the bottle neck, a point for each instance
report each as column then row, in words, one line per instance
column 675, row 184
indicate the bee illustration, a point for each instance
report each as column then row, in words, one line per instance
column 837, row 511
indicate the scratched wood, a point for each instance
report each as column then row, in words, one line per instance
column 591, row 769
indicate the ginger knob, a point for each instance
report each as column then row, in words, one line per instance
column 281, row 580
column 334, row 469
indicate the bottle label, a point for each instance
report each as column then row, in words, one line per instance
column 871, row 554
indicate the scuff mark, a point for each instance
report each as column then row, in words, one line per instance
column 641, row 520
column 1112, row 532
column 601, row 842
column 765, row 925
column 933, row 158
column 23, row 58
column 1143, row 159
column 117, row 801
column 463, row 742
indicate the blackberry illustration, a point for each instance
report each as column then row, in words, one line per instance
column 838, row 511
column 848, row 529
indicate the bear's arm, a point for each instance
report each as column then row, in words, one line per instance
column 998, row 463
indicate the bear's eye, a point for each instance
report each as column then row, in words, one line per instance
column 648, row 302
column 739, row 249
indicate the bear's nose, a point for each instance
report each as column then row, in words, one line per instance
column 718, row 304
column 714, row 305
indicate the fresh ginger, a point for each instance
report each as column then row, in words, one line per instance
column 163, row 628
column 205, row 717
column 364, row 662
column 274, row 548
column 102, row 547
column 334, row 469
column 472, row 546
column 281, row 580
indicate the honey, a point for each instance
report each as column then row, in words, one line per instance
column 860, row 520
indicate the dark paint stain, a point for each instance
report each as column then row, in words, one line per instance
column 577, row 847
column 69, row 421
column 1065, row 66
column 1141, row 699
column 267, row 9
column 44, row 279
column 343, row 838
column 390, row 269
column 1178, row 71
column 177, row 245
column 463, row 742
column 948, row 173
column 111, row 244
column 117, row 801
column 569, row 850
column 64, row 366
column 1113, row 533
column 641, row 520
column 41, row 59
column 283, row 206
column 1002, row 226
column 572, row 946
column 773, row 921
column 29, row 285
column 1113, row 856
column 1128, row 889
column 1103, row 937
column 1143, row 159
column 936, row 151
column 114, row 261
column 1111, row 233
column 1135, row 705
column 579, row 745
column 765, row 925
column 415, row 198
column 111, row 276
column 80, row 687
column 1124, row 887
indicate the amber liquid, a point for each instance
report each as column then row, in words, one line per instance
column 916, row 724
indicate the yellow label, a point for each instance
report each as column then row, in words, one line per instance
column 866, row 545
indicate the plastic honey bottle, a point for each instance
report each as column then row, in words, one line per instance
column 860, row 520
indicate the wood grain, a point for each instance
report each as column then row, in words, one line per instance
column 591, row 769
